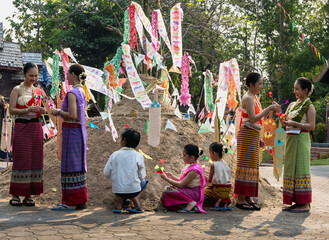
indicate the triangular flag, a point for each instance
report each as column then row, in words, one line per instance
column 178, row 113
column 104, row 115
column 191, row 109
column 93, row 126
column 145, row 155
column 107, row 128
column 127, row 126
column 209, row 115
column 147, row 126
column 175, row 93
column 201, row 115
column 170, row 125
column 205, row 129
column 175, row 70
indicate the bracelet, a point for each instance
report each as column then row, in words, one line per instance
column 302, row 127
column 58, row 111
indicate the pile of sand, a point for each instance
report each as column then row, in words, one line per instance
column 101, row 146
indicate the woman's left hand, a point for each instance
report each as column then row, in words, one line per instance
column 164, row 177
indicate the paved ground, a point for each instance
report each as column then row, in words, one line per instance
column 42, row 223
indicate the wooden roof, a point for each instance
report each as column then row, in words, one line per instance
column 1, row 35
column 32, row 57
column 323, row 76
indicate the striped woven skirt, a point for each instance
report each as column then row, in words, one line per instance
column 297, row 174
column 74, row 186
column 247, row 170
column 27, row 170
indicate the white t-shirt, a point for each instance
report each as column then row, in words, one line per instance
column 221, row 173
column 126, row 169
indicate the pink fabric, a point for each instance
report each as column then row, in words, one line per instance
column 197, row 168
column 176, row 196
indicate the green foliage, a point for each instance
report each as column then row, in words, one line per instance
column 320, row 133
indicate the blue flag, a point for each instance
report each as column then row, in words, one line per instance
column 93, row 126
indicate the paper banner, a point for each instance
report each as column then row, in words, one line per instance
column 155, row 42
column 226, row 71
column 55, row 80
column 146, row 22
column 185, row 97
column 6, row 132
column 205, row 129
column 278, row 154
column 154, row 124
column 162, row 30
column 133, row 32
column 209, row 99
column 135, row 82
column 170, row 125
column 113, row 130
column 66, row 65
column 176, row 17
column 93, row 126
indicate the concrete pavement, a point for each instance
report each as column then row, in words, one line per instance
column 98, row 223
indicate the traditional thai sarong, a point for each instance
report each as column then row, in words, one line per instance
column 27, row 169
column 175, row 196
column 247, row 171
column 73, row 161
column 220, row 191
column 297, row 176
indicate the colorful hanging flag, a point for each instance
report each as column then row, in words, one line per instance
column 170, row 125
column 93, row 126
column 176, row 18
column 185, row 96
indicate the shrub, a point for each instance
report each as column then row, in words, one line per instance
column 320, row 133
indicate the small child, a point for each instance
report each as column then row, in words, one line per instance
column 219, row 177
column 126, row 169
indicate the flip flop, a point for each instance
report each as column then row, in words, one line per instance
column 15, row 202
column 135, row 210
column 244, row 206
column 116, row 210
column 183, row 210
column 300, row 211
column 28, row 202
column 215, row 208
column 228, row 208
column 63, row 207
column 255, row 206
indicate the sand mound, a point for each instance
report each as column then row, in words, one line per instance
column 101, row 146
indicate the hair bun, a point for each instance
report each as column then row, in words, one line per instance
column 225, row 150
column 82, row 76
column 200, row 151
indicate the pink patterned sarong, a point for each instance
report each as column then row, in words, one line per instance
column 175, row 196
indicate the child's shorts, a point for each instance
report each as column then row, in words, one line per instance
column 144, row 183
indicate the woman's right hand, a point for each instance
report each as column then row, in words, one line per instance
column 275, row 107
column 36, row 109
column 169, row 174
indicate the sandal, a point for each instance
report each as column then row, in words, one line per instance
column 135, row 210
column 16, row 202
column 28, row 202
column 244, row 206
column 183, row 210
column 217, row 208
column 254, row 205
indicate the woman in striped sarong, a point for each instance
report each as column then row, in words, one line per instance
column 299, row 121
column 248, row 142
column 27, row 170
column 74, row 143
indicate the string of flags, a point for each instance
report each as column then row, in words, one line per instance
column 293, row 25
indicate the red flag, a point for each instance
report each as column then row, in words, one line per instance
column 209, row 115
column 127, row 126
column 303, row 37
